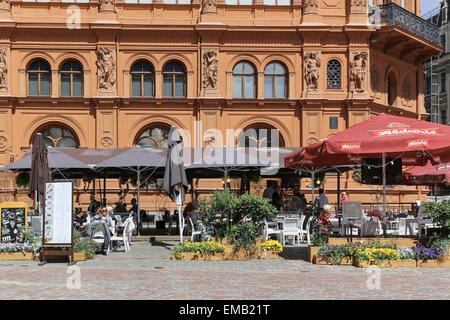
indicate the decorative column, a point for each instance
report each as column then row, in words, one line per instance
column 310, row 10
column 209, row 11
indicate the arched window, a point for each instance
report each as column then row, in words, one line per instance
column 59, row 137
column 275, row 81
column 71, row 75
column 154, row 137
column 174, row 80
column 334, row 74
column 244, row 80
column 142, row 79
column 39, row 78
column 260, row 136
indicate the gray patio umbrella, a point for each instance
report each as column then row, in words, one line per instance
column 175, row 182
column 39, row 170
column 136, row 160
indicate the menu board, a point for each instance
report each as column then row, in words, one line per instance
column 58, row 213
column 13, row 221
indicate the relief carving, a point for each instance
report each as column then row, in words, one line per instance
column 106, row 142
column 310, row 6
column 106, row 68
column 209, row 6
column 210, row 69
column 107, row 5
column 3, row 69
column 358, row 71
column 312, row 71
column 358, row 6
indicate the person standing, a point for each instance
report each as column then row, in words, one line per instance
column 269, row 191
column 322, row 200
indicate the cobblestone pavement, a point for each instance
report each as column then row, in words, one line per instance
column 146, row 272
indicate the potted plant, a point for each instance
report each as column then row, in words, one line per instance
column 380, row 257
column 321, row 230
column 426, row 257
column 83, row 248
column 206, row 250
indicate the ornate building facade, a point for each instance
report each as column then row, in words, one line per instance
column 118, row 73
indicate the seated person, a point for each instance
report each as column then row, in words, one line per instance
column 81, row 221
column 190, row 207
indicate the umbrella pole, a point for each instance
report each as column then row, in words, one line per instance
column 180, row 214
column 104, row 191
column 339, row 190
column 312, row 185
column 435, row 192
column 383, row 163
column 138, row 182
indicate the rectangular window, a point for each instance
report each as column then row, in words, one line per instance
column 239, row 2
column 277, row 2
column 249, row 87
column 33, row 84
column 237, row 86
column 443, row 82
column 77, row 85
column 268, row 87
column 177, row 1
column 333, row 122
column 148, row 86
column 443, row 116
column 168, row 86
column 428, row 86
column 136, row 86
column 45, row 84
column 281, row 87
column 65, row 85
column 179, row 86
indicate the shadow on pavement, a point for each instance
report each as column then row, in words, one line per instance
column 295, row 253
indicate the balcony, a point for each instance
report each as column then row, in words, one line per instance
column 392, row 14
column 402, row 34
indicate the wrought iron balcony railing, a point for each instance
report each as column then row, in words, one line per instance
column 393, row 14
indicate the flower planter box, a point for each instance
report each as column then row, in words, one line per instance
column 444, row 261
column 312, row 252
column 347, row 261
column 204, row 257
column 406, row 263
column 382, row 264
column 270, row 255
column 79, row 256
column 401, row 242
column 427, row 264
column 18, row 256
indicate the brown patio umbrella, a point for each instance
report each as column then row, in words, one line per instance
column 39, row 170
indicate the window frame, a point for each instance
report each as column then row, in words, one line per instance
column 173, row 74
column 275, row 76
column 243, row 75
column 142, row 75
column 71, row 73
column 56, row 141
column 39, row 73
column 328, row 74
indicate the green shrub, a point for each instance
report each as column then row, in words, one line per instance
column 244, row 235
column 206, row 247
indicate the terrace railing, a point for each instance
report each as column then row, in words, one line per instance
column 392, row 14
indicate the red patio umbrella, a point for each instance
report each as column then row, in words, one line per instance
column 414, row 141
column 433, row 176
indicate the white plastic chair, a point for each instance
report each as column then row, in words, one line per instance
column 290, row 228
column 269, row 230
column 351, row 209
column 99, row 237
column 126, row 237
column 307, row 229
column 194, row 233
column 401, row 227
column 423, row 223
column 370, row 228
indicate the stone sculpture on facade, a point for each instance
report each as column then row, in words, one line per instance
column 209, row 6
column 358, row 66
column 210, row 69
column 5, row 4
column 358, row 6
column 312, row 71
column 3, row 69
column 310, row 6
column 106, row 68
column 107, row 5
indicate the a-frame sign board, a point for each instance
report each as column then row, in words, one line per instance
column 57, row 234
